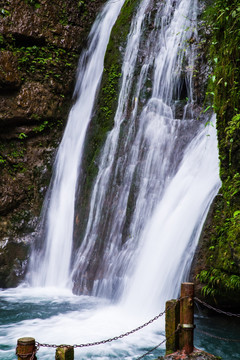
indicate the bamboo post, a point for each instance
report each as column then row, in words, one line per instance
column 65, row 353
column 172, row 320
column 26, row 348
column 186, row 318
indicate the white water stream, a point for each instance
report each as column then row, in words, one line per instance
column 58, row 211
column 142, row 154
column 159, row 172
column 170, row 236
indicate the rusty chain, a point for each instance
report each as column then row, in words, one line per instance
column 217, row 337
column 150, row 351
column 110, row 339
column 166, row 339
column 25, row 356
column 217, row 310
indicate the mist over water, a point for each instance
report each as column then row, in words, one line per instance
column 159, row 171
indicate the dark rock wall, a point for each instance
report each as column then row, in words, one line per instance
column 40, row 43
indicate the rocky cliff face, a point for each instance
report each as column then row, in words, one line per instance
column 40, row 42
column 216, row 268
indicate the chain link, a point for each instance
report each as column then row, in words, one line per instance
column 217, row 337
column 110, row 339
column 217, row 310
column 25, row 356
column 150, row 351
column 166, row 339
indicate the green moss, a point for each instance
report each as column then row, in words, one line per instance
column 2, row 161
column 47, row 61
column 34, row 3
column 63, row 18
column 12, row 157
column 4, row 12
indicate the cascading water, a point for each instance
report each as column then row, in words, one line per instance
column 58, row 212
column 170, row 237
column 154, row 123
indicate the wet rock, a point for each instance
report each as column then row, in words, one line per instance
column 9, row 74
column 35, row 98
column 196, row 355
column 58, row 22
column 33, row 102
column 12, row 193
column 13, row 262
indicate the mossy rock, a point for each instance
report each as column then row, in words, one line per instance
column 219, row 273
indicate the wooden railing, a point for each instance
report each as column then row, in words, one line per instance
column 179, row 330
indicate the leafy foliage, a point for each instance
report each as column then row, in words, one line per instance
column 46, row 60
column 4, row 12
column 218, row 282
column 36, row 4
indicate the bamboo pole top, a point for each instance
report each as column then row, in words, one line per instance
column 26, row 341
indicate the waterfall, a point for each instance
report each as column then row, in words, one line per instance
column 158, row 169
column 155, row 122
column 51, row 266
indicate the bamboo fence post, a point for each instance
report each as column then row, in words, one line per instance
column 172, row 320
column 65, row 353
column 186, row 318
column 26, row 347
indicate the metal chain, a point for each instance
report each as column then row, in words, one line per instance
column 217, row 310
column 217, row 337
column 25, row 356
column 166, row 339
column 150, row 351
column 111, row 339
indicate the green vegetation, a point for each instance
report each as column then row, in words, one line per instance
column 22, row 136
column 12, row 157
column 63, row 18
column 47, row 60
column 41, row 127
column 2, row 161
column 36, row 4
column 4, row 12
column 109, row 91
column 222, row 276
